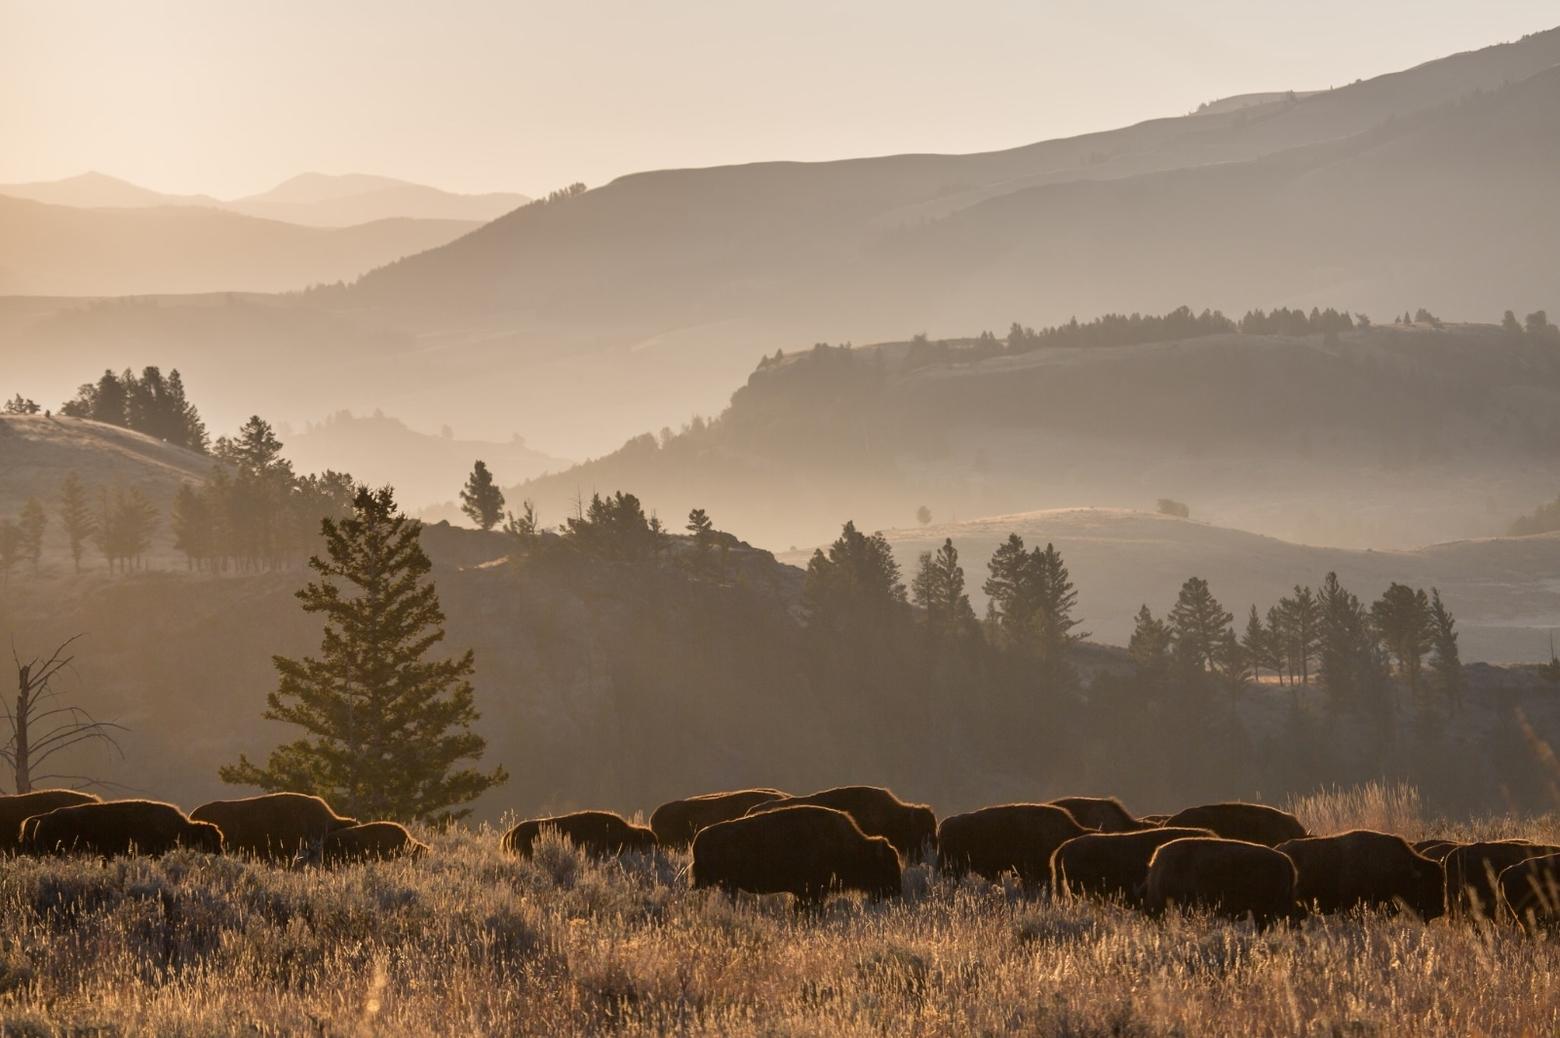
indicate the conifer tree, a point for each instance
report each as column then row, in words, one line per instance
column 1198, row 625
column 192, row 526
column 481, row 499
column 31, row 526
column 386, row 727
column 1401, row 617
column 76, row 516
column 702, row 528
column 1349, row 667
column 1149, row 646
column 1446, row 662
column 938, row 588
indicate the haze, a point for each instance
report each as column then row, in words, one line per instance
column 228, row 99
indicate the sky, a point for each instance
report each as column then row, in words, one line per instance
column 224, row 98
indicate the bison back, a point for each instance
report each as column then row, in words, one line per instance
column 1112, row 865
column 1018, row 838
column 1231, row 878
column 676, row 822
column 1249, row 823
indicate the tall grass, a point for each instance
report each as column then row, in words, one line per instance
column 468, row 941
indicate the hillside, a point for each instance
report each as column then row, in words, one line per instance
column 1382, row 437
column 426, row 470
column 65, row 251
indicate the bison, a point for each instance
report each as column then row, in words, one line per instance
column 1473, row 873
column 1530, row 890
column 1231, row 878
column 1102, row 814
column 371, row 840
column 1435, row 849
column 911, row 828
column 1250, row 823
column 1017, row 838
column 1112, row 865
column 1364, row 867
column 118, row 827
column 18, row 807
column 272, row 826
column 677, row 822
column 600, row 834
column 807, row 851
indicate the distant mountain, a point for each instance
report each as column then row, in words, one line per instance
column 94, row 190
column 61, row 250
column 845, row 249
column 310, row 199
column 1391, row 435
column 425, row 469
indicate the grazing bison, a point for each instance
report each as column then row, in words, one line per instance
column 808, row 851
column 1102, row 814
column 1016, row 838
column 1530, row 891
column 677, row 822
column 1436, row 850
column 1363, row 867
column 911, row 828
column 1112, row 865
column 1251, row 823
column 118, row 827
column 601, row 834
column 1473, row 873
column 18, row 807
column 272, row 826
column 1231, row 878
column 369, row 841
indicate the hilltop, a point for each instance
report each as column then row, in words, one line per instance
column 1368, row 437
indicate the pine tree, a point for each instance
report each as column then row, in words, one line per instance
column 386, row 727
column 481, row 499
column 31, row 526
column 1198, row 625
column 192, row 526
column 76, row 516
column 1401, row 617
column 1149, row 646
column 1349, row 668
column 938, row 588
column 1053, row 599
column 1299, row 618
column 1008, row 608
column 1258, row 641
column 702, row 528
column 1446, row 662
column 855, row 586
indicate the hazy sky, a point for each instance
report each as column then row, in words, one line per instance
column 229, row 98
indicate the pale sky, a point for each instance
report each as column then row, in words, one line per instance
column 480, row 95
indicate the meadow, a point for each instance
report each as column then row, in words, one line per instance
column 469, row 941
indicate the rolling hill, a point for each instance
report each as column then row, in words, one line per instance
column 1388, row 436
column 323, row 200
column 65, row 251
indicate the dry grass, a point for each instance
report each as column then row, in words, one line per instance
column 469, row 942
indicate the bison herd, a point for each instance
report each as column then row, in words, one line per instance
column 1235, row 859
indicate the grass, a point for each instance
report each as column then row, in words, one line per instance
column 470, row 942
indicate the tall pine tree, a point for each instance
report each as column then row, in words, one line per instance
column 481, row 499
column 386, row 727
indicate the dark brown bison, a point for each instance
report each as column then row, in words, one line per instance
column 18, row 807
column 1251, row 823
column 677, row 822
column 272, row 826
column 370, row 841
column 1018, row 838
column 911, row 828
column 808, row 851
column 1435, row 850
column 1111, row 865
column 1473, row 873
column 1530, row 891
column 1363, row 867
column 1102, row 814
column 1231, row 878
column 117, row 827
column 600, row 834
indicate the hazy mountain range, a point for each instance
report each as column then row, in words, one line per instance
column 96, row 235
column 634, row 305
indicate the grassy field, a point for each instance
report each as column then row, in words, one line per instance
column 470, row 942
